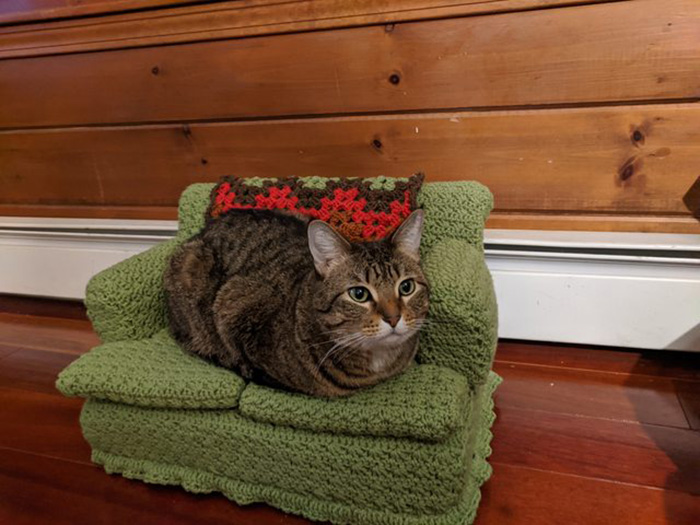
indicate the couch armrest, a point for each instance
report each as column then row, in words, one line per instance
column 462, row 331
column 127, row 300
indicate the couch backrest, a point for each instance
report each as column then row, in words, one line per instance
column 452, row 210
column 127, row 300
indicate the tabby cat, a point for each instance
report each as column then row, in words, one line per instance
column 292, row 304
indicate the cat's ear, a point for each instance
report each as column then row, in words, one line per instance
column 406, row 238
column 327, row 247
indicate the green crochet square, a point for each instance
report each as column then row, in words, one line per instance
column 427, row 402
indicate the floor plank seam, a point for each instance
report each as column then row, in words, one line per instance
column 49, row 456
column 595, row 370
column 500, row 404
column 496, row 463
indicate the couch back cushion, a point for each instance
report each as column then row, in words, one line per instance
column 452, row 210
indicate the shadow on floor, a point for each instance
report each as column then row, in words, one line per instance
column 680, row 374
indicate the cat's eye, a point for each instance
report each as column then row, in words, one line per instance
column 359, row 294
column 407, row 287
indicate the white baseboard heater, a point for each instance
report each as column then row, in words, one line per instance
column 618, row 289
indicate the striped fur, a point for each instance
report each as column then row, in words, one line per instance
column 247, row 294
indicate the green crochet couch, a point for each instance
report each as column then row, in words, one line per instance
column 409, row 451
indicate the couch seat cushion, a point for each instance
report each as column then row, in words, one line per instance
column 153, row 372
column 427, row 402
column 346, row 479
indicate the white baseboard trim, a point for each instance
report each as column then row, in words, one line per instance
column 618, row 289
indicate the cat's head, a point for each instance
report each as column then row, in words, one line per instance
column 375, row 295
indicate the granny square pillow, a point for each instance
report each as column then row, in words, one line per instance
column 362, row 210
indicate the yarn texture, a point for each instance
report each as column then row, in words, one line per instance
column 411, row 450
column 362, row 210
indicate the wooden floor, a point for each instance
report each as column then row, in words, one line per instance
column 583, row 436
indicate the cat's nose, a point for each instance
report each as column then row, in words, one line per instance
column 392, row 320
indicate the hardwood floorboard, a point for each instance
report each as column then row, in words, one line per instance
column 34, row 370
column 651, row 400
column 45, row 333
column 41, row 307
column 42, row 424
column 6, row 350
column 689, row 396
column 519, row 495
column 37, row 491
column 677, row 365
column 650, row 455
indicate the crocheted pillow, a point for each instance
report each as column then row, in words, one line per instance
column 360, row 209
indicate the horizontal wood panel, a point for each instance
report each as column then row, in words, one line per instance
column 12, row 11
column 599, row 161
column 499, row 220
column 234, row 19
column 568, row 222
column 623, row 51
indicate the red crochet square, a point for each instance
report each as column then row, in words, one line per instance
column 360, row 209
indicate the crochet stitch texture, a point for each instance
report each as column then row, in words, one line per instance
column 409, row 451
column 362, row 210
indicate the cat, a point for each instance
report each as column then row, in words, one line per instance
column 286, row 301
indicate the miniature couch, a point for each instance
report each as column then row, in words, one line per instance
column 411, row 450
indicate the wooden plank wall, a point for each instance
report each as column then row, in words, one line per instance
column 577, row 115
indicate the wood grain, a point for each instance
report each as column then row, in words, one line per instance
column 233, row 19
column 500, row 220
column 13, row 11
column 610, row 52
column 673, row 365
column 689, row 396
column 46, row 490
column 650, row 400
column 581, row 222
column 6, row 350
column 41, row 307
column 34, row 370
column 68, row 336
column 523, row 496
column 627, row 452
column 42, row 424
column 89, row 212
column 593, row 167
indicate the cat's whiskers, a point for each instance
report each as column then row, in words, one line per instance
column 340, row 344
column 417, row 324
column 352, row 347
column 333, row 339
